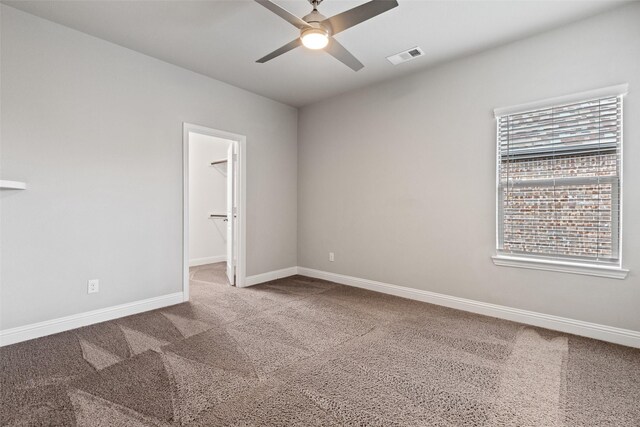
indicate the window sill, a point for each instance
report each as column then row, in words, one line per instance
column 561, row 266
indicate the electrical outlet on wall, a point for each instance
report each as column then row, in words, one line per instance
column 93, row 286
column 332, row 256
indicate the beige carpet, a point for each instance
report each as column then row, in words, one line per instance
column 306, row 352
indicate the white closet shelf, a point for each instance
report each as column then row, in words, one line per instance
column 12, row 185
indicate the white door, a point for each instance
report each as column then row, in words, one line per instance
column 231, row 271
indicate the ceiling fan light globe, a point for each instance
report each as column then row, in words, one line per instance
column 315, row 39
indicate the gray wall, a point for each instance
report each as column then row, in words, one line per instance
column 96, row 131
column 398, row 179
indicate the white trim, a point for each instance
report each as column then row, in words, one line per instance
column 13, row 185
column 270, row 275
column 207, row 260
column 498, row 195
column 592, row 330
column 621, row 187
column 41, row 329
column 612, row 272
column 241, row 250
column 618, row 90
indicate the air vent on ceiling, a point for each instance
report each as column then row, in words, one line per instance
column 407, row 55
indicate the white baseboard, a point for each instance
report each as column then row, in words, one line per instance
column 41, row 329
column 208, row 260
column 592, row 330
column 577, row 327
column 270, row 275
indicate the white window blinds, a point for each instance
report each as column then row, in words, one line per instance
column 559, row 172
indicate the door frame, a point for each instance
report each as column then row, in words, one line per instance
column 240, row 142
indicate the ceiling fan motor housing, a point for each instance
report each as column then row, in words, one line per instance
column 314, row 17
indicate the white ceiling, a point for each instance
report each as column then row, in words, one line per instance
column 222, row 39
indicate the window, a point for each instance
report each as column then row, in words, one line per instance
column 559, row 176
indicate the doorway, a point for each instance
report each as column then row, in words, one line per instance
column 214, row 225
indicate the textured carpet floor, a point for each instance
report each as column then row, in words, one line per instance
column 306, row 352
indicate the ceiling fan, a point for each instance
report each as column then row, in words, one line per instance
column 317, row 31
